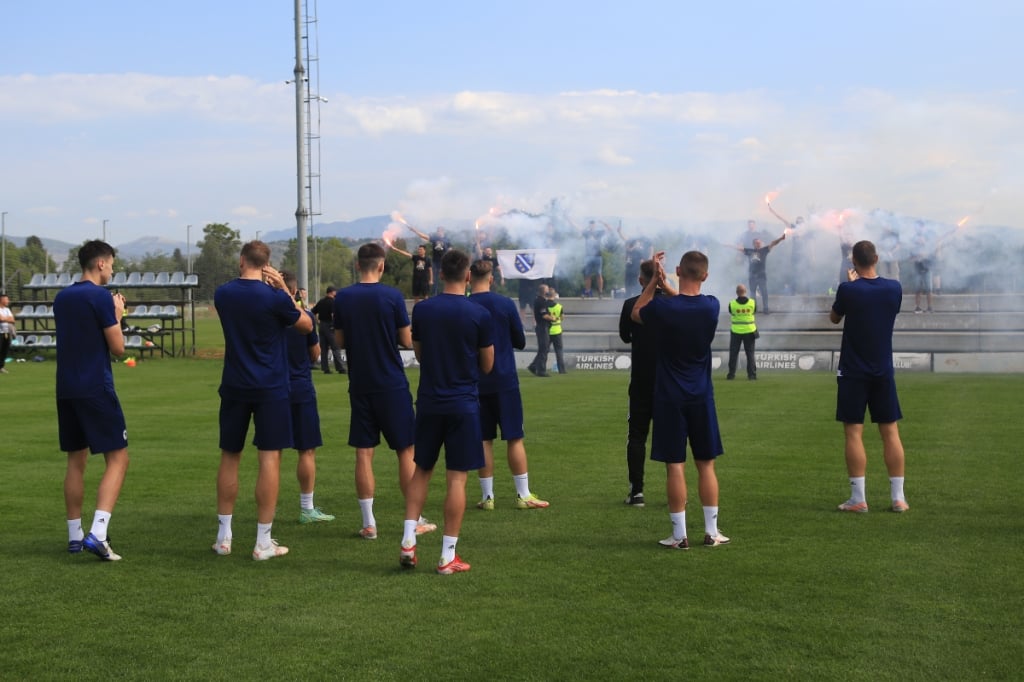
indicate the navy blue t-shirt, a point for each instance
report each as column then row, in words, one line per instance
column 369, row 316
column 450, row 330
column 81, row 313
column 254, row 317
column 300, row 367
column 869, row 307
column 508, row 335
column 683, row 327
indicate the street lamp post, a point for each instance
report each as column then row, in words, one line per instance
column 188, row 247
column 105, row 221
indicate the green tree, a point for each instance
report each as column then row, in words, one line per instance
column 335, row 260
column 32, row 258
column 218, row 258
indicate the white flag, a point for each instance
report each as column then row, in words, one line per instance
column 527, row 263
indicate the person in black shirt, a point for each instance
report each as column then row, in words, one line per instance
column 542, row 321
column 324, row 311
column 641, row 388
column 757, row 273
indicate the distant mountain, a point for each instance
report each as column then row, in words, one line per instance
column 371, row 227
column 151, row 246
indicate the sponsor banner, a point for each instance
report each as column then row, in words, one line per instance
column 527, row 263
column 902, row 362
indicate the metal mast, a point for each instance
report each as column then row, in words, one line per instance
column 307, row 134
column 302, row 212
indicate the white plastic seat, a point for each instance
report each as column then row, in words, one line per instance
column 119, row 278
column 134, row 278
column 192, row 280
column 140, row 310
column 27, row 311
column 162, row 279
column 148, row 279
column 50, row 280
column 64, row 279
column 35, row 282
column 155, row 311
column 177, row 278
column 170, row 311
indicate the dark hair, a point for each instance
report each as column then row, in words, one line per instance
column 647, row 270
column 864, row 254
column 693, row 266
column 369, row 255
column 454, row 264
column 331, row 289
column 290, row 280
column 481, row 269
column 256, row 253
column 92, row 250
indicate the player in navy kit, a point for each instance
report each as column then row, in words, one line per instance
column 254, row 310
column 866, row 377
column 684, row 400
column 371, row 323
column 89, row 415
column 500, row 401
column 453, row 340
column 303, row 353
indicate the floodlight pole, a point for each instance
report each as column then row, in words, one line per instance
column 105, row 221
column 302, row 211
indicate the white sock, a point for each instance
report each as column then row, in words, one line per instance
column 711, row 521
column 223, row 527
column 448, row 548
column 896, row 488
column 409, row 533
column 856, row 489
column 486, row 487
column 366, row 506
column 306, row 501
column 75, row 532
column 522, row 482
column 263, row 534
column 99, row 524
column 678, row 524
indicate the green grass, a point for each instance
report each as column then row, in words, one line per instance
column 580, row 590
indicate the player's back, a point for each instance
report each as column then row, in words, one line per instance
column 508, row 335
column 449, row 331
column 369, row 316
column 81, row 313
column 300, row 366
column 869, row 307
column 684, row 327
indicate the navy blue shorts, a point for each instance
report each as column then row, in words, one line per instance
column 504, row 409
column 854, row 394
column 96, row 422
column 458, row 433
column 306, row 426
column 273, row 420
column 388, row 413
column 675, row 424
column 592, row 265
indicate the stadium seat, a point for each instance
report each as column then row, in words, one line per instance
column 140, row 311
column 162, row 279
column 133, row 341
column 177, row 279
column 134, row 279
column 50, row 280
column 35, row 282
column 155, row 311
column 30, row 340
column 148, row 279
column 43, row 311
column 192, row 280
column 27, row 311
column 119, row 278
column 64, row 279
column 170, row 311
column 45, row 341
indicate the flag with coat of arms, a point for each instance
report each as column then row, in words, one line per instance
column 527, row 263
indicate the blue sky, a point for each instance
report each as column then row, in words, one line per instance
column 158, row 115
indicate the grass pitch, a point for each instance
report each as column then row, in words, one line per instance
column 578, row 591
